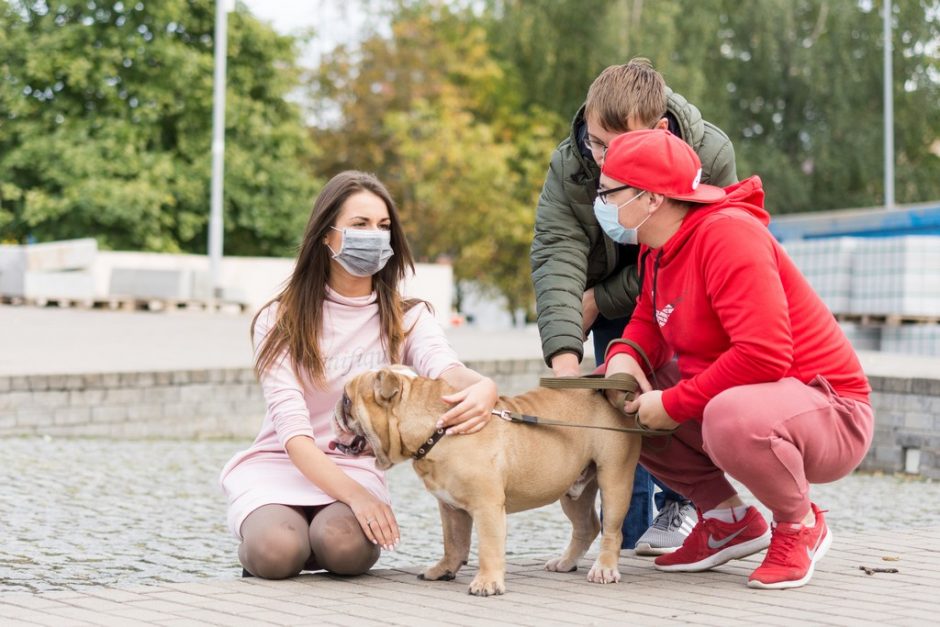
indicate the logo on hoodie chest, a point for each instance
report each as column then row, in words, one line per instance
column 662, row 315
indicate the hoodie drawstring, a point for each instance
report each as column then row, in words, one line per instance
column 655, row 276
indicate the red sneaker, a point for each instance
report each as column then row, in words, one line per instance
column 794, row 551
column 714, row 542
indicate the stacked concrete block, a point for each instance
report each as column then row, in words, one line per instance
column 50, row 271
column 76, row 254
column 862, row 337
column 12, row 270
column 146, row 284
column 72, row 286
column 914, row 339
column 827, row 265
column 897, row 276
column 201, row 285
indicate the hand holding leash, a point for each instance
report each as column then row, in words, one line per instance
column 650, row 412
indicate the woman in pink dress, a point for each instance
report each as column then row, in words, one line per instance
column 294, row 503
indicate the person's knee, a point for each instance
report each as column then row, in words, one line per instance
column 725, row 423
column 275, row 553
column 339, row 544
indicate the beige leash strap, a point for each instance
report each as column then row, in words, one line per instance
column 620, row 381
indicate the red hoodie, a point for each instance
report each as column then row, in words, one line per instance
column 735, row 309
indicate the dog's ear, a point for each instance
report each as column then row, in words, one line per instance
column 387, row 386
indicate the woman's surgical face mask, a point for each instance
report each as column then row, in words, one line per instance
column 363, row 252
column 607, row 214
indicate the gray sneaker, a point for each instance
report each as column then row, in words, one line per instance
column 669, row 529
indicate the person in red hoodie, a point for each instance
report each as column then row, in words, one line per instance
column 748, row 365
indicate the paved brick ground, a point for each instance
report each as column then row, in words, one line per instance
column 840, row 594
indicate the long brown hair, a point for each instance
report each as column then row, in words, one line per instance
column 297, row 328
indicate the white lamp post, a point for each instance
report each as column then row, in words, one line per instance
column 222, row 7
column 889, row 110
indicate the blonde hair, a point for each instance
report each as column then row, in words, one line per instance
column 620, row 93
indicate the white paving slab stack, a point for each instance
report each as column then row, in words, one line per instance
column 827, row 265
column 897, row 276
column 144, row 283
column 75, row 254
column 911, row 339
column 71, row 286
column 49, row 271
column 12, row 269
column 862, row 337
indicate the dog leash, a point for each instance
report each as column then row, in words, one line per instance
column 620, row 381
column 512, row 416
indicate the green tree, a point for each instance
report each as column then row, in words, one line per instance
column 428, row 110
column 797, row 85
column 105, row 127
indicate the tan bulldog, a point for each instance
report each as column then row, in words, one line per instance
column 504, row 468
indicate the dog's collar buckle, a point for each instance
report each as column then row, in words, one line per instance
column 428, row 444
column 502, row 413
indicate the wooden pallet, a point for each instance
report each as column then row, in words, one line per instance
column 890, row 320
column 128, row 304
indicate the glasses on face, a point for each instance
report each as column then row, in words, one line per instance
column 595, row 146
column 603, row 193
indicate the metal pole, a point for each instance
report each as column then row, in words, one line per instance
column 218, row 147
column 889, row 110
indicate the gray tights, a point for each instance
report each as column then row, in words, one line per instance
column 278, row 541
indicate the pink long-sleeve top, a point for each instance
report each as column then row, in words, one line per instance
column 350, row 344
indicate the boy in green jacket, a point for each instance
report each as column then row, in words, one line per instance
column 587, row 283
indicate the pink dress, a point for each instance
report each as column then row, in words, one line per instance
column 351, row 343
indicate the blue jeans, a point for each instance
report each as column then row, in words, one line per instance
column 640, row 514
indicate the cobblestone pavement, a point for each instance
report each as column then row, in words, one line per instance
column 839, row 594
column 75, row 512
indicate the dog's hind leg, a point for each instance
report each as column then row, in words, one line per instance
column 584, row 528
column 616, row 484
column 457, row 526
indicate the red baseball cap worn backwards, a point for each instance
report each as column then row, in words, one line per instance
column 657, row 161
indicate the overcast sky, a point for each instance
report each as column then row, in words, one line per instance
column 334, row 21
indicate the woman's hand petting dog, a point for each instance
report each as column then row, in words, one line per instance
column 471, row 408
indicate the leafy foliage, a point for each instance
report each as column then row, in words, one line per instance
column 105, row 113
column 797, row 85
column 430, row 111
column 105, row 127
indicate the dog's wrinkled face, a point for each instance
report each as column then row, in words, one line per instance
column 363, row 416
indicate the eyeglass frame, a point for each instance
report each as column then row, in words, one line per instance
column 588, row 143
column 603, row 193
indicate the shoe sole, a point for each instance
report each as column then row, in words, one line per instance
column 796, row 583
column 737, row 551
column 648, row 549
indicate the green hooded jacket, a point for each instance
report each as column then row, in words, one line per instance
column 571, row 253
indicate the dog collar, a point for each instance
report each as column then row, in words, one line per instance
column 428, row 444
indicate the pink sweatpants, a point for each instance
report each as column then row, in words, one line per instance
column 775, row 438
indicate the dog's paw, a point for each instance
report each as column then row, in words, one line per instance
column 436, row 573
column 561, row 565
column 483, row 587
column 601, row 574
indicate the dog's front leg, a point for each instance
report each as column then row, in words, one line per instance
column 457, row 526
column 491, row 533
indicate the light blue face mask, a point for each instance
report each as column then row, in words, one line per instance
column 607, row 216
